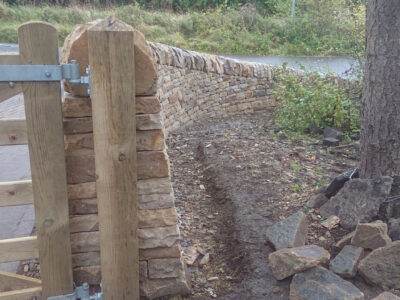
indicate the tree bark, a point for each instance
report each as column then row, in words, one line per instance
column 380, row 104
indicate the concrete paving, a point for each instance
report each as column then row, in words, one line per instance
column 15, row 221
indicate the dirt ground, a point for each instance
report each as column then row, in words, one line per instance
column 233, row 178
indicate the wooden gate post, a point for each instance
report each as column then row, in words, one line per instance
column 112, row 68
column 38, row 45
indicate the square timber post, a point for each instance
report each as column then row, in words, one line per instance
column 112, row 64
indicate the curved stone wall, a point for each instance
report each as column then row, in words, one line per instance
column 174, row 88
column 194, row 86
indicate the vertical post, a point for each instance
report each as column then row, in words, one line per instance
column 38, row 45
column 112, row 67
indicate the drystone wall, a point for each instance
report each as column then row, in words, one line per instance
column 174, row 88
column 162, row 270
column 194, row 86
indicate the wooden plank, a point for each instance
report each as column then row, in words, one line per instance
column 112, row 63
column 31, row 293
column 10, row 282
column 9, row 58
column 38, row 44
column 6, row 92
column 13, row 132
column 18, row 249
column 16, row 193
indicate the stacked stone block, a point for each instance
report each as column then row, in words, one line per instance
column 194, row 86
column 162, row 270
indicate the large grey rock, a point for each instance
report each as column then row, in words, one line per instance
column 317, row 201
column 288, row 233
column 371, row 235
column 330, row 132
column 394, row 229
column 346, row 262
column 386, row 296
column 382, row 266
column 390, row 209
column 330, row 142
column 289, row 261
column 338, row 182
column 358, row 201
column 321, row 284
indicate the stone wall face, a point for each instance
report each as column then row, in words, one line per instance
column 162, row 270
column 194, row 86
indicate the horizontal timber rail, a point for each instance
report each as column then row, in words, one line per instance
column 29, row 293
column 16, row 193
column 13, row 132
column 6, row 90
column 18, row 249
column 18, row 287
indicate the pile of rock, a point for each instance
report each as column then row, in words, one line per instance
column 315, row 279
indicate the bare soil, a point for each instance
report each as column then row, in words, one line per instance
column 233, row 178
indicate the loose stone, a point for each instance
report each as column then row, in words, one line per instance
column 290, row 232
column 346, row 262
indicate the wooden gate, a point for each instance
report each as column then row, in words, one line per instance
column 43, row 131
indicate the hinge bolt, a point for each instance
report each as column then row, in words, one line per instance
column 47, row 74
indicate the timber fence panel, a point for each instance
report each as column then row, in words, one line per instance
column 38, row 45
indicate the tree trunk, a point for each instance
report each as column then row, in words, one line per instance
column 380, row 104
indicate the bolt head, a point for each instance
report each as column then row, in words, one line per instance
column 47, row 74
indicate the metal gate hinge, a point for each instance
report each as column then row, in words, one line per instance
column 16, row 73
column 81, row 292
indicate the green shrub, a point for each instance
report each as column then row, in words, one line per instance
column 310, row 99
column 331, row 27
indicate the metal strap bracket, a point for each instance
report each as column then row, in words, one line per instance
column 81, row 293
column 36, row 73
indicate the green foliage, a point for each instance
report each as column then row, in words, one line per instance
column 295, row 167
column 331, row 27
column 314, row 100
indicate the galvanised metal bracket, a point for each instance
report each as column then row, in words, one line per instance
column 17, row 73
column 81, row 293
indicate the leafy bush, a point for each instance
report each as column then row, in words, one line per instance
column 331, row 27
column 311, row 100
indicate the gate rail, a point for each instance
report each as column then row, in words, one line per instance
column 43, row 131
